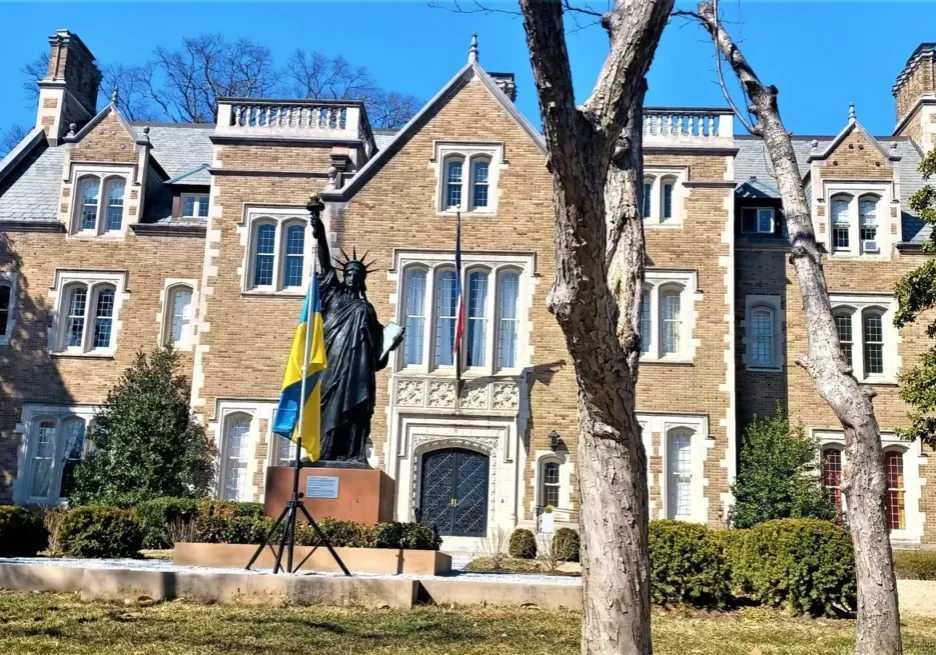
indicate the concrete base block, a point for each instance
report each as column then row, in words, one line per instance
column 479, row 592
column 40, row 578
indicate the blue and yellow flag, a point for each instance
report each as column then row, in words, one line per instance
column 286, row 422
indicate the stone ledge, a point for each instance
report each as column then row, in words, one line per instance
column 480, row 592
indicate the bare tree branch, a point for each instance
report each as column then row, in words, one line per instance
column 11, row 137
column 34, row 71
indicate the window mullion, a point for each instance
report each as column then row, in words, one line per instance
column 101, row 208
column 88, row 322
column 431, row 314
column 279, row 264
column 858, row 344
column 490, row 323
column 854, row 226
column 655, row 322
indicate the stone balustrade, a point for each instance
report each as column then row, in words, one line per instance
column 679, row 126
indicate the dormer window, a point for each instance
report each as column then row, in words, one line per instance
column 194, row 205
column 757, row 220
column 854, row 227
column 94, row 217
column 867, row 224
column 467, row 176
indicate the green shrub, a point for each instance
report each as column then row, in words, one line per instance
column 228, row 508
column 156, row 516
column 731, row 545
column 565, row 545
column 686, row 565
column 801, row 565
column 22, row 533
column 915, row 564
column 522, row 544
column 101, row 531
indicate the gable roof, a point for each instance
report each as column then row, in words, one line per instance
column 22, row 149
column 440, row 99
column 111, row 108
column 31, row 191
column 850, row 127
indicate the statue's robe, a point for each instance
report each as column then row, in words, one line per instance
column 353, row 342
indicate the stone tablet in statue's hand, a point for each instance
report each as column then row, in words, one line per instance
column 397, row 340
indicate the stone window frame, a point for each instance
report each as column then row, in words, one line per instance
column 94, row 282
column 855, row 192
column 201, row 199
column 468, row 152
column 103, row 175
column 165, row 316
column 655, row 281
column 913, row 461
column 227, row 412
column 773, row 304
column 32, row 416
column 434, row 262
column 563, row 511
column 8, row 279
column 698, row 428
column 281, row 218
column 658, row 178
column 857, row 306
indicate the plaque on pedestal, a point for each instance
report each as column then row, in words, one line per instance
column 347, row 494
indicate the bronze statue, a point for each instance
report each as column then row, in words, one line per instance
column 354, row 347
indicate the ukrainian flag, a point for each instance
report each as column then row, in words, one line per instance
column 286, row 422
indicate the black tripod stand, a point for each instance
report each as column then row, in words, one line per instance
column 287, row 542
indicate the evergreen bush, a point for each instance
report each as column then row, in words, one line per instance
column 686, row 565
column 158, row 514
column 22, row 533
column 565, row 545
column 801, row 565
column 731, row 545
column 915, row 564
column 101, row 531
column 522, row 544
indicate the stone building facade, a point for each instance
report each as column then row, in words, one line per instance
column 117, row 237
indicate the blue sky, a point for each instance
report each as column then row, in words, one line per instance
column 821, row 55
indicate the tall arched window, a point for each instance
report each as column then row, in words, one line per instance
column 453, row 183
column 670, row 320
column 867, row 224
column 843, row 324
column 648, row 197
column 549, row 489
column 445, row 306
column 832, row 476
column 762, row 336
column 414, row 292
column 114, row 192
column 893, row 466
column 6, row 306
column 236, row 452
column 667, row 200
column 873, row 335
column 88, row 190
column 646, row 322
column 103, row 318
column 77, row 303
column 841, row 223
column 480, row 169
column 179, row 304
column 477, row 317
column 74, row 432
column 42, row 459
column 679, row 474
column 295, row 255
column 508, row 294
column 264, row 254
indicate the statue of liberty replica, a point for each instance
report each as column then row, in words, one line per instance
column 354, row 345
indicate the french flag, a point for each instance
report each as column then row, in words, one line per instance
column 459, row 298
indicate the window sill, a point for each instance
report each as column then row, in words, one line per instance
column 667, row 362
column 88, row 355
column 652, row 225
column 449, row 374
column 878, row 382
column 452, row 213
column 764, row 369
column 284, row 293
column 89, row 236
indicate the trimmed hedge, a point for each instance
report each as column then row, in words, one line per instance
column 156, row 515
column 915, row 564
column 522, row 544
column 22, row 533
column 230, row 529
column 801, row 565
column 731, row 545
column 686, row 565
column 565, row 545
column 101, row 531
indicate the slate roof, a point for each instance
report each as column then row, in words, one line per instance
column 382, row 138
column 181, row 149
column 752, row 162
column 31, row 192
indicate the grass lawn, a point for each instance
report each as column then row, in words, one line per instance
column 60, row 624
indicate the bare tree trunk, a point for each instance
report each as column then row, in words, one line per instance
column 596, row 161
column 864, row 482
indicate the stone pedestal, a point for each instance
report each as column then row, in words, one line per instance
column 364, row 495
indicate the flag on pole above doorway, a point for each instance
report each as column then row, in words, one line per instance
column 286, row 422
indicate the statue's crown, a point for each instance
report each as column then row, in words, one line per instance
column 353, row 262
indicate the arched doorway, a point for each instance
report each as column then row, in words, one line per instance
column 454, row 492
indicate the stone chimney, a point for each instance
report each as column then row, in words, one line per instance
column 68, row 93
column 915, row 95
column 506, row 83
